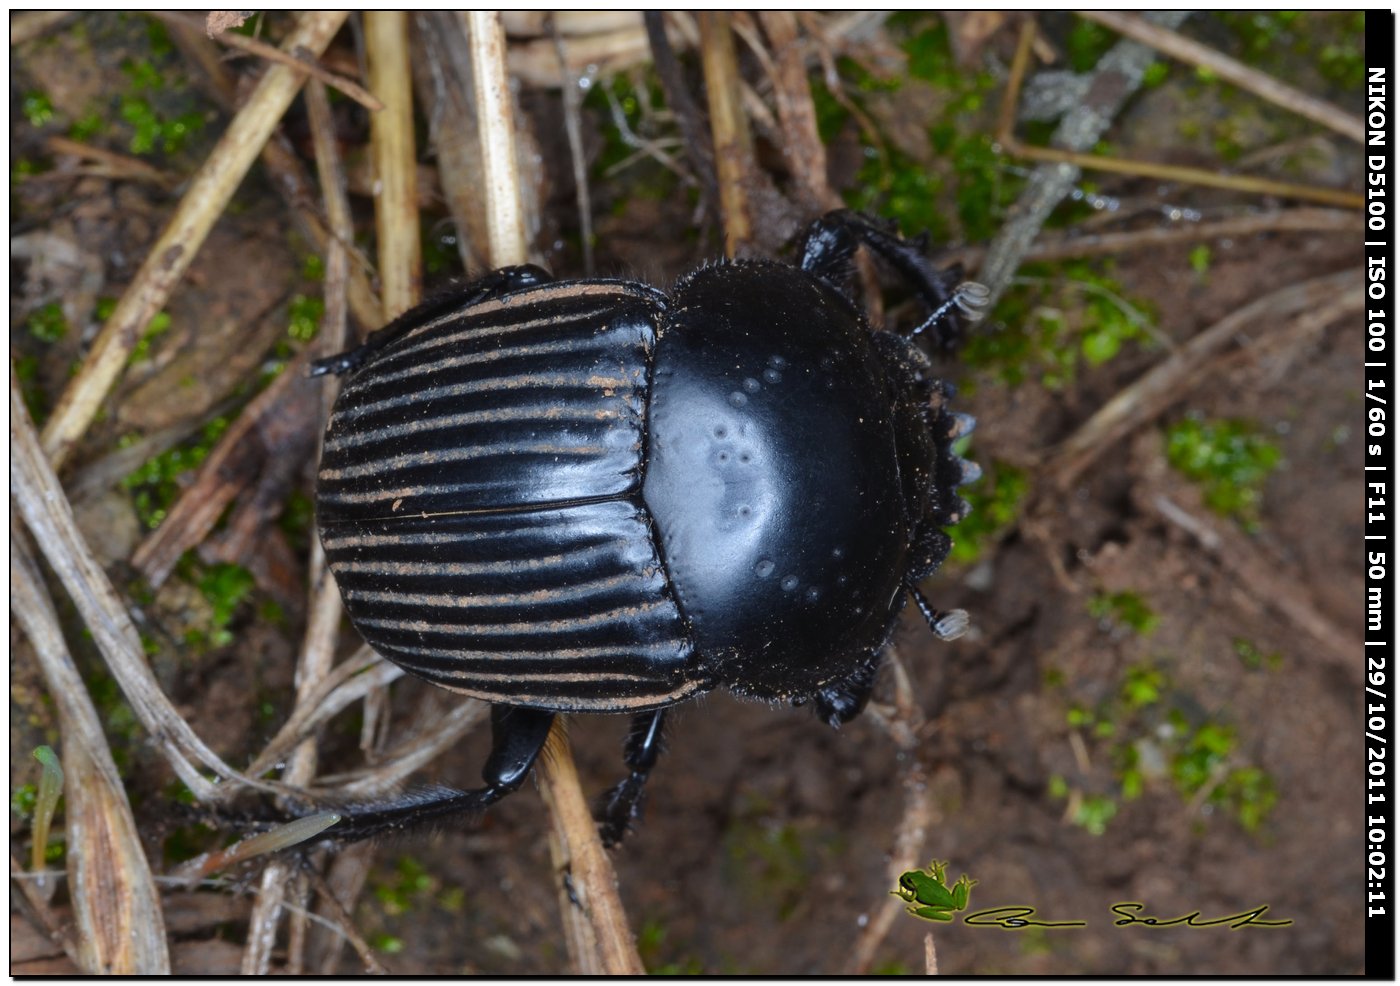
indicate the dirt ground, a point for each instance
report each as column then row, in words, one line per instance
column 1140, row 713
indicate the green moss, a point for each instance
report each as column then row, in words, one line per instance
column 651, row 940
column 37, row 108
column 158, row 326
column 1230, row 461
column 1199, row 258
column 224, row 586
column 23, row 799
column 996, row 503
column 156, row 484
column 1200, row 758
column 961, row 175
column 47, row 324
column 1125, row 608
column 1054, row 318
column 86, row 127
column 1094, row 813
column 1253, row 658
column 1087, row 43
column 304, row 317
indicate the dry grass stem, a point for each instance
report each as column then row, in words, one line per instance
column 285, row 172
column 1013, row 145
column 31, row 24
column 930, row 956
column 46, row 512
column 203, row 203
column 269, row 53
column 573, row 129
column 324, row 607
column 345, row 923
column 395, row 161
column 1228, row 69
column 1066, row 247
column 536, row 63
column 113, row 165
column 229, row 471
column 904, row 722
column 1188, row 176
column 411, row 753
column 797, row 114
column 600, row 939
column 495, row 116
column 598, row 934
column 118, row 925
column 442, row 77
column 1324, row 298
column 729, row 128
column 32, row 900
column 350, row 681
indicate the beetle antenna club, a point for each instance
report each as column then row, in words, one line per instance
column 593, row 496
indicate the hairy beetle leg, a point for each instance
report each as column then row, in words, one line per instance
column 492, row 285
column 517, row 736
column 843, row 700
column 617, row 808
column 830, row 242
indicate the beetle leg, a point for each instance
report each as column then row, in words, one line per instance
column 457, row 296
column 846, row 698
column 623, row 803
column 947, row 624
column 517, row 736
column 830, row 241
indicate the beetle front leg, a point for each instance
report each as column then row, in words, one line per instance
column 517, row 736
column 458, row 296
column 623, row 803
column 829, row 243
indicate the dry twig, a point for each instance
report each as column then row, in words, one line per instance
column 41, row 502
column 395, row 161
column 209, row 192
column 1007, row 138
column 598, row 935
column 600, row 940
column 266, row 51
column 1265, row 86
column 1066, row 247
column 729, row 127
column 116, row 908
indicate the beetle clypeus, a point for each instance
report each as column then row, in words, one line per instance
column 592, row 496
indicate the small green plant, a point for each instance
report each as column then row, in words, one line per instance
column 1125, row 609
column 224, row 586
column 37, row 108
column 1253, row 658
column 1229, row 459
column 1153, row 739
column 1199, row 258
column 47, row 324
column 158, row 326
column 156, row 484
column 410, row 886
column 1094, row 812
column 304, row 315
column 1055, row 317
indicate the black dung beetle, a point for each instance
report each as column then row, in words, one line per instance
column 593, row 496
